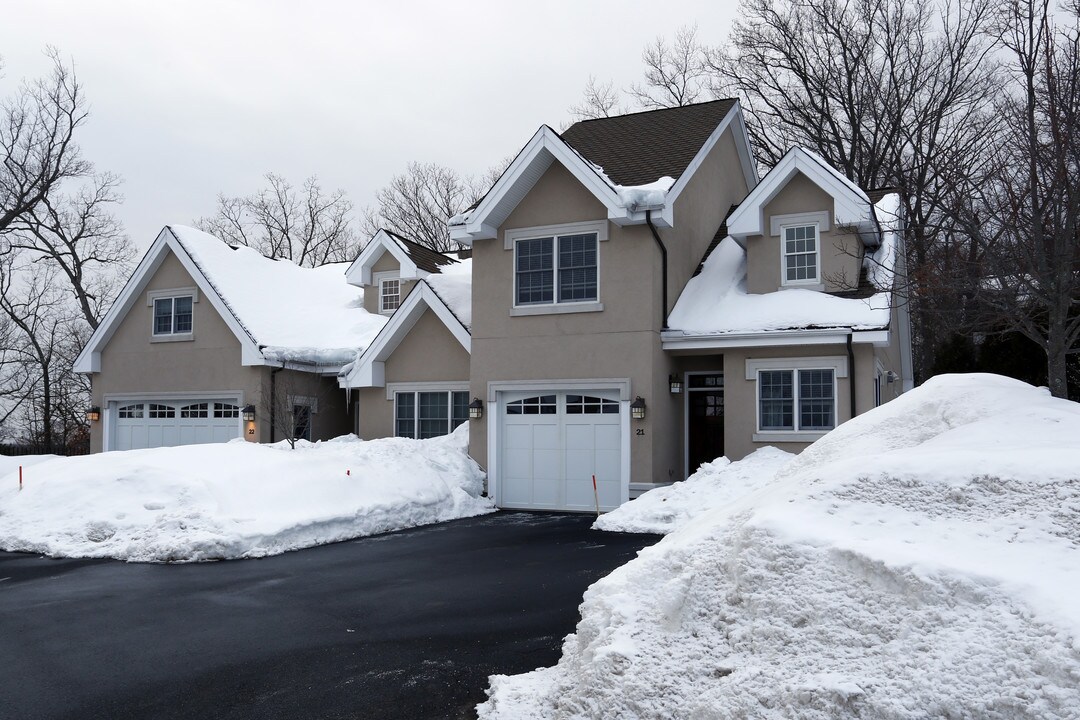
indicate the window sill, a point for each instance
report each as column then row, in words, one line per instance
column 178, row 337
column 803, row 286
column 556, row 309
column 779, row 436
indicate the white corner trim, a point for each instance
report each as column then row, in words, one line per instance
column 433, row 386
column 152, row 295
column 600, row 227
column 836, row 363
column 821, row 219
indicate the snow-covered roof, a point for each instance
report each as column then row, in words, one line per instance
column 414, row 260
column 453, row 285
column 293, row 313
column 277, row 310
column 716, row 302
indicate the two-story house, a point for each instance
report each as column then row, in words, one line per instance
column 638, row 302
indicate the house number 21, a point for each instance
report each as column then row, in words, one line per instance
column 640, row 431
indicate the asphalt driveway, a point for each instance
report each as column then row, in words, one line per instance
column 405, row 625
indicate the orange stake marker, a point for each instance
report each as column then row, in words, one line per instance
column 20, row 478
column 596, row 496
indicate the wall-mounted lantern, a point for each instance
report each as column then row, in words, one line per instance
column 93, row 414
column 249, row 413
column 637, row 408
column 476, row 409
column 676, row 384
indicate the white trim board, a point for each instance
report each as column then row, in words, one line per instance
column 359, row 272
column 369, row 369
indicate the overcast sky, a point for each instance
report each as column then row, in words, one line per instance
column 190, row 99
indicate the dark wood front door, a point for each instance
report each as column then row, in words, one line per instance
column 705, row 432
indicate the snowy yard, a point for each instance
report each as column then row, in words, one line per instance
column 234, row 500
column 922, row 560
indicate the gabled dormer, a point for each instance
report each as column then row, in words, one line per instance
column 389, row 266
column 805, row 226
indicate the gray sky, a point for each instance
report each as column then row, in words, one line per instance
column 194, row 98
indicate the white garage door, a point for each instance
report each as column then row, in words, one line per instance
column 166, row 423
column 552, row 443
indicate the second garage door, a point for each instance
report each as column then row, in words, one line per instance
column 166, row 423
column 552, row 443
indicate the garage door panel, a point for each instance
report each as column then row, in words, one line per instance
column 154, row 426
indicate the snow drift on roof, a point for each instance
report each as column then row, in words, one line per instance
column 308, row 315
column 717, row 302
column 453, row 285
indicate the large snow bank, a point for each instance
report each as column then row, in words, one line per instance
column 297, row 314
column 453, row 284
column 237, row 499
column 921, row 560
column 10, row 463
column 717, row 301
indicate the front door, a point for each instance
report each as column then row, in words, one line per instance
column 705, row 422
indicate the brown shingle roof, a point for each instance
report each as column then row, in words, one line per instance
column 721, row 233
column 640, row 148
column 876, row 195
column 425, row 258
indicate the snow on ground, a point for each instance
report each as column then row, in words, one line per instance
column 922, row 560
column 297, row 314
column 10, row 464
column 453, row 284
column 237, row 499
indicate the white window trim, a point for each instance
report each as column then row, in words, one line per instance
column 415, row 389
column 810, row 284
column 513, row 236
column 837, row 363
column 778, row 222
column 152, row 296
column 379, row 279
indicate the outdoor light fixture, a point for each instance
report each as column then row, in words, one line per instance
column 476, row 409
column 676, row 384
column 249, row 413
column 891, row 377
column 637, row 408
column 93, row 414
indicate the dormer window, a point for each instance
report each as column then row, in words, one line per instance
column 802, row 258
column 389, row 295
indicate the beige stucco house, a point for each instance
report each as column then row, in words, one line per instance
column 204, row 331
column 638, row 302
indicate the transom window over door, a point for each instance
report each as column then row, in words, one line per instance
column 554, row 270
column 172, row 315
column 801, row 254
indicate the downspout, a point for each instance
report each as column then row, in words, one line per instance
column 663, row 266
column 851, row 372
column 273, row 397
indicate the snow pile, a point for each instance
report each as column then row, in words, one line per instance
column 714, row 486
column 295, row 313
column 453, row 284
column 10, row 464
column 651, row 195
column 921, row 560
column 237, row 499
column 880, row 265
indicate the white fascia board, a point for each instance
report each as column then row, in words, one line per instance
column 368, row 370
column 89, row 360
column 736, row 122
column 877, row 338
column 849, row 206
column 359, row 273
column 543, row 148
column 674, row 340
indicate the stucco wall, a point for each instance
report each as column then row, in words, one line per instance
column 841, row 252
column 429, row 353
column 385, row 263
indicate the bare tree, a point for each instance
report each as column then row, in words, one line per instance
column 1024, row 213
column 307, row 225
column 420, row 202
column 599, row 100
column 37, row 129
column 288, row 401
column 85, row 241
column 675, row 73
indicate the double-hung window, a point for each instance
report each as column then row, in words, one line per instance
column 801, row 254
column 556, row 269
column 172, row 315
column 796, row 400
column 389, row 295
column 429, row 414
